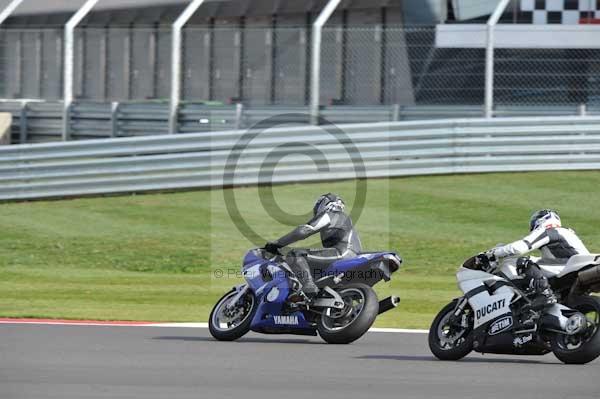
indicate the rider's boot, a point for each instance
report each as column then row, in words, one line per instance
column 527, row 321
column 542, row 300
column 302, row 271
column 544, row 297
column 539, row 286
column 309, row 288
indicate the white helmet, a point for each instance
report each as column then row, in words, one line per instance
column 546, row 218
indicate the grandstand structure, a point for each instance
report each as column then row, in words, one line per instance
column 255, row 51
column 397, row 54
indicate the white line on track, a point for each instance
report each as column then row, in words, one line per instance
column 180, row 325
column 398, row 330
column 167, row 325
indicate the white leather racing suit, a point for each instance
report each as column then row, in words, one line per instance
column 556, row 244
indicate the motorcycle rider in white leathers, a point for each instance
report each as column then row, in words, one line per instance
column 556, row 244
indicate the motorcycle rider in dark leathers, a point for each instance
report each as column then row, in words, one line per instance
column 338, row 237
column 556, row 244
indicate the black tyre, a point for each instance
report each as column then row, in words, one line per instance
column 230, row 324
column 584, row 347
column 349, row 324
column 450, row 340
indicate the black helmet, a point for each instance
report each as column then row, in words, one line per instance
column 328, row 201
column 544, row 217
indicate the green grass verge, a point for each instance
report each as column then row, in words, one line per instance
column 154, row 257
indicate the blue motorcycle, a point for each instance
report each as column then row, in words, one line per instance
column 272, row 302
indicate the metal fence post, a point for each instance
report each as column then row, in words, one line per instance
column 23, row 123
column 114, row 119
column 176, row 63
column 69, row 63
column 8, row 10
column 39, row 64
column 19, row 58
column 239, row 116
column 127, row 49
column 489, row 58
column 396, row 112
column 103, row 61
column 66, row 133
column 315, row 91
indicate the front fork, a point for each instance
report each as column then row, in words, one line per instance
column 241, row 291
column 458, row 317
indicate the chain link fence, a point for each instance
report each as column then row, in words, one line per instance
column 264, row 66
column 547, row 77
column 444, row 76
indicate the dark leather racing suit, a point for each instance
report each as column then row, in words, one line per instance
column 338, row 236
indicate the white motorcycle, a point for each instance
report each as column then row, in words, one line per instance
column 490, row 317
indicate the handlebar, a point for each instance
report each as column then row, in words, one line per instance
column 278, row 253
column 478, row 262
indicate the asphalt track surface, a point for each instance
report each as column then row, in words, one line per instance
column 39, row 361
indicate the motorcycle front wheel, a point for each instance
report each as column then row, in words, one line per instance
column 449, row 339
column 346, row 325
column 230, row 323
column 583, row 347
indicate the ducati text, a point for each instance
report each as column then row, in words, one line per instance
column 492, row 307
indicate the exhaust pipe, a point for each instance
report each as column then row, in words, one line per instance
column 590, row 276
column 388, row 303
column 586, row 279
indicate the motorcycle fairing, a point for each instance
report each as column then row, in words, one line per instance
column 578, row 262
column 508, row 343
column 270, row 316
column 503, row 340
column 482, row 291
column 368, row 268
column 268, row 320
column 488, row 302
column 271, row 286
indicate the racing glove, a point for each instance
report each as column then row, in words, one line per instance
column 272, row 247
column 485, row 261
column 523, row 263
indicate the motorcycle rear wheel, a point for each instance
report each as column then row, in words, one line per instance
column 227, row 328
column 352, row 322
column 445, row 346
column 584, row 347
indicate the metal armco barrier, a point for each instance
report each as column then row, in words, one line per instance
column 294, row 154
column 39, row 121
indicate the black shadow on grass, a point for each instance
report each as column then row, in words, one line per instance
column 421, row 358
column 240, row 341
